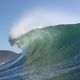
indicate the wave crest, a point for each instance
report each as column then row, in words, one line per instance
column 54, row 45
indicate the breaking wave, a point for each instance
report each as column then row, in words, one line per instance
column 51, row 53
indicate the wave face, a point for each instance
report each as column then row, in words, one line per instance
column 51, row 53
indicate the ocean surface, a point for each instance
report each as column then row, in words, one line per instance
column 51, row 53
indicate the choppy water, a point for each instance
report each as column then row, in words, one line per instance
column 51, row 53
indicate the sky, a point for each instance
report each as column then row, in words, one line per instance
column 13, row 12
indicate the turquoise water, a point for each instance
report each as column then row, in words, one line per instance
column 51, row 53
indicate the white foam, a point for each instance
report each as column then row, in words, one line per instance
column 39, row 18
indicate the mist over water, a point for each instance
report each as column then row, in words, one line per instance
column 39, row 18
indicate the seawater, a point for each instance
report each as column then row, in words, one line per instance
column 17, row 70
column 51, row 53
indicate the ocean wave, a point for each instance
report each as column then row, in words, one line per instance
column 51, row 53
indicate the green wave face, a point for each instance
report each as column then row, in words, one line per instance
column 57, row 46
